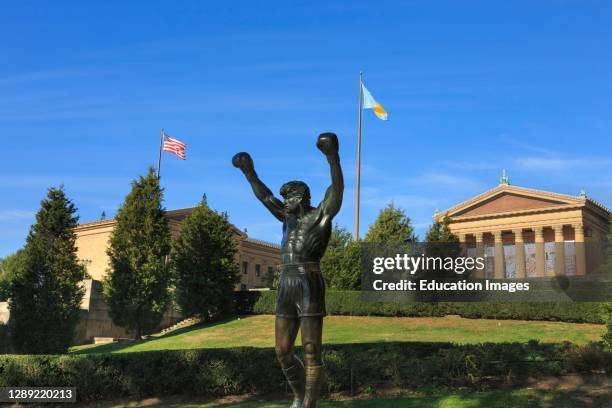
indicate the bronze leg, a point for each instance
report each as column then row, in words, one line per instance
column 285, row 332
column 312, row 333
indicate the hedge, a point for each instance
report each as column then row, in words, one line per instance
column 357, row 367
column 350, row 303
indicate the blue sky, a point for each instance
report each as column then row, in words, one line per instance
column 470, row 87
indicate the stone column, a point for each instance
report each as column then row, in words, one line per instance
column 519, row 254
column 559, row 250
column 463, row 244
column 480, row 273
column 499, row 255
column 580, row 249
column 540, row 256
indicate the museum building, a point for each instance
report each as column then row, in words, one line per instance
column 525, row 233
column 255, row 258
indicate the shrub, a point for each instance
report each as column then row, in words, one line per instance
column 350, row 303
column 358, row 367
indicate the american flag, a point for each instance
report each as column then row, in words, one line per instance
column 174, row 146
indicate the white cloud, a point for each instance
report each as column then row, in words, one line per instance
column 558, row 163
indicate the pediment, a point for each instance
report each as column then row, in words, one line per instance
column 506, row 198
column 508, row 202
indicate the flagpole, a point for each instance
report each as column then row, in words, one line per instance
column 161, row 146
column 358, row 156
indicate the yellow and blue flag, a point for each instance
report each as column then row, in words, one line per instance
column 370, row 103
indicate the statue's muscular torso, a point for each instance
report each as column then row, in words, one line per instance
column 305, row 237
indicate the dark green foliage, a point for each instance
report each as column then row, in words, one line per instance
column 606, row 316
column 8, row 267
column 136, row 287
column 45, row 295
column 203, row 263
column 441, row 232
column 391, row 226
column 350, row 303
column 218, row 372
column 440, row 242
column 350, row 278
column 341, row 264
column 606, row 308
column 4, row 340
column 271, row 278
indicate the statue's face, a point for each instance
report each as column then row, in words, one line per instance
column 293, row 203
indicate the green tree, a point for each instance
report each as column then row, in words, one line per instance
column 606, row 310
column 441, row 232
column 606, row 307
column 45, row 293
column 391, row 226
column 136, row 287
column 8, row 268
column 203, row 261
column 331, row 262
column 441, row 242
column 341, row 263
column 350, row 278
column 271, row 278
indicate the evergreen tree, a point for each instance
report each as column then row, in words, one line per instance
column 203, row 262
column 442, row 243
column 136, row 287
column 271, row 278
column 391, row 226
column 341, row 262
column 8, row 268
column 331, row 262
column 350, row 265
column 606, row 307
column 45, row 293
column 441, row 232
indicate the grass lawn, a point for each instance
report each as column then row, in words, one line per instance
column 258, row 331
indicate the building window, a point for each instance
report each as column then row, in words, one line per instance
column 243, row 286
column 245, row 267
column 270, row 271
column 257, row 270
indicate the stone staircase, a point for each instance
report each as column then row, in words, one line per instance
column 182, row 324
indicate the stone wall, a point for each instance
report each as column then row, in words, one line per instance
column 94, row 320
column 4, row 312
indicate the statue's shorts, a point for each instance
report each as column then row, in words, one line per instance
column 301, row 291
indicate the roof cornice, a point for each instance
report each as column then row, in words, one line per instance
column 570, row 202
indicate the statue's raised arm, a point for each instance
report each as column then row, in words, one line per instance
column 244, row 162
column 328, row 144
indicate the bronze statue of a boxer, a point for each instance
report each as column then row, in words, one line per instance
column 301, row 291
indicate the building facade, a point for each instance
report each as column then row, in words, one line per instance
column 525, row 233
column 256, row 258
column 257, row 261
